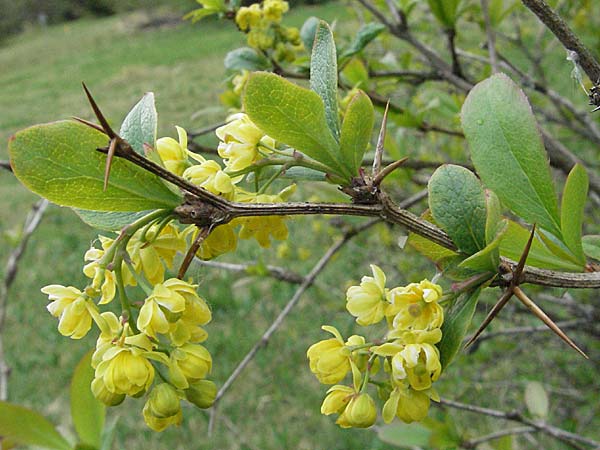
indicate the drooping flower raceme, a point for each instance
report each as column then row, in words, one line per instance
column 408, row 350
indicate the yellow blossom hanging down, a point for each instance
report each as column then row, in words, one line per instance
column 368, row 302
column 416, row 306
column 73, row 308
column 174, row 154
column 163, row 407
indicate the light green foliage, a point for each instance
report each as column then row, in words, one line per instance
column 487, row 259
column 139, row 126
column 507, row 150
column 445, row 11
column 294, row 116
column 26, row 427
column 356, row 130
column 572, row 208
column 87, row 412
column 591, row 246
column 536, row 399
column 428, row 248
column 457, row 203
column 108, row 221
column 209, row 7
column 365, row 34
column 308, row 31
column 514, row 241
column 403, row 435
column 457, row 319
column 59, row 161
column 500, row 9
column 246, row 58
column 324, row 75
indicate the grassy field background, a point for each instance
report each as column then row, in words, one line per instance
column 275, row 403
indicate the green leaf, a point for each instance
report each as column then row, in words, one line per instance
column 571, row 210
column 591, row 246
column 139, row 127
column 294, row 116
column 426, row 247
column 507, row 150
column 246, row 58
column 487, row 259
column 108, row 221
column 59, row 161
column 87, row 412
column 457, row 319
column 498, row 12
column 356, row 130
column 404, row 435
column 445, row 11
column 366, row 33
column 324, row 77
column 303, row 174
column 355, row 73
column 493, row 219
column 26, row 427
column 536, row 399
column 514, row 241
column 457, row 203
column 308, row 31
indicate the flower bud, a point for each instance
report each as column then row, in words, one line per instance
column 104, row 395
column 201, row 393
column 163, row 401
column 360, row 411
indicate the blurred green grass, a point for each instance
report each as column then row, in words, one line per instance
column 275, row 402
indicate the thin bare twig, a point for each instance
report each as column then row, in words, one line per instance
column 473, row 443
column 491, row 38
column 12, row 266
column 565, row 325
column 279, row 273
column 515, row 416
column 202, row 131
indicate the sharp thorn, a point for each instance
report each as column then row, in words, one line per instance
column 491, row 315
column 380, row 142
column 521, row 265
column 107, row 129
column 387, row 170
column 109, row 158
column 540, row 314
column 90, row 124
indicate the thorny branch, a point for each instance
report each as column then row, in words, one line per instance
column 12, row 266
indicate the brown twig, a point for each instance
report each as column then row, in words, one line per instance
column 557, row 433
column 12, row 266
column 5, row 165
column 565, row 35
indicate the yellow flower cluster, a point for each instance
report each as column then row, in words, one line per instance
column 242, row 144
column 411, row 360
column 262, row 23
column 167, row 331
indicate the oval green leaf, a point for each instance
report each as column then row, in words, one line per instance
column 139, row 126
column 536, row 399
column 571, row 210
column 59, row 161
column 294, row 116
column 246, row 58
column 26, row 427
column 507, row 150
column 457, row 203
column 356, row 130
column 324, row 75
column 87, row 412
column 591, row 246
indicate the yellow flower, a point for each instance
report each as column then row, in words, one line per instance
column 174, row 154
column 240, row 138
column 208, row 174
column 73, row 309
column 187, row 328
column 239, row 82
column 148, row 255
column 201, row 393
column 124, row 370
column 409, row 405
column 189, row 363
column 360, row 412
column 165, row 299
column 336, row 399
column 102, row 280
column 419, row 364
column 247, row 17
column 367, row 302
column 273, row 10
column 416, row 306
column 162, row 408
column 329, row 359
